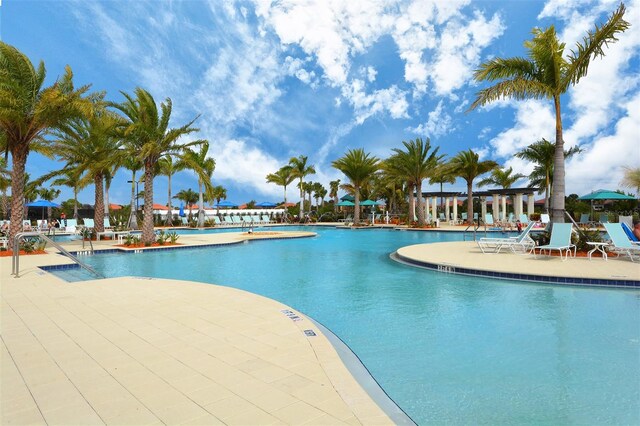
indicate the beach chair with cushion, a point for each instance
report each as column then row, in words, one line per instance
column 560, row 241
column 522, row 243
column 620, row 243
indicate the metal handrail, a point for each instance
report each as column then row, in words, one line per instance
column 475, row 229
column 15, row 258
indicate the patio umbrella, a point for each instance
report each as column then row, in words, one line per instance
column 368, row 203
column 42, row 203
column 345, row 204
column 266, row 204
column 181, row 212
column 226, row 204
column 603, row 194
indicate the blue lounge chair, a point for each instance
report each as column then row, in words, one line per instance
column 604, row 218
column 620, row 244
column 629, row 233
column 560, row 241
column 523, row 243
column 524, row 219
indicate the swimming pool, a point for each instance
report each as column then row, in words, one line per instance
column 446, row 348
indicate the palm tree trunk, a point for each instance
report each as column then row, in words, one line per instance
column 19, row 156
column 557, row 202
column 133, row 215
column 412, row 204
column 170, row 214
column 75, row 202
column 107, row 186
column 469, row 203
column 301, row 200
column 356, row 201
column 421, row 219
column 98, row 210
column 148, row 236
column 201, row 205
column 5, row 204
column 285, row 194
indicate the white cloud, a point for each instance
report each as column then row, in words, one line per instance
column 438, row 124
column 391, row 100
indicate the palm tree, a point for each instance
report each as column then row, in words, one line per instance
column 150, row 138
column 503, row 178
column 308, row 189
column 189, row 197
column 70, row 177
column 547, row 74
column 542, row 154
column 415, row 163
column 441, row 175
column 218, row 193
column 27, row 112
column 300, row 169
column 358, row 167
column 168, row 167
column 319, row 192
column 283, row 177
column 631, row 178
column 333, row 190
column 49, row 194
column 92, row 145
column 204, row 167
column 467, row 166
column 5, row 183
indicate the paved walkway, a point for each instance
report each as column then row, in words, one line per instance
column 155, row 351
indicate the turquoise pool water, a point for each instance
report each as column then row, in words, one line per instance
column 446, row 348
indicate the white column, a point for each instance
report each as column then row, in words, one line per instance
column 455, row 207
column 483, row 208
column 518, row 207
column 434, row 208
column 446, row 208
column 504, row 207
column 530, row 204
column 495, row 205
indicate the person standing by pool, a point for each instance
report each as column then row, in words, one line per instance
column 63, row 219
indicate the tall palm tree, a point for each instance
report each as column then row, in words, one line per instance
column 283, row 177
column 547, row 74
column 416, row 163
column 204, row 167
column 441, row 175
column 358, row 167
column 218, row 193
column 504, row 178
column 542, row 154
column 631, row 178
column 70, row 177
column 319, row 192
column 92, row 145
column 308, row 189
column 49, row 194
column 189, row 197
column 28, row 110
column 168, row 167
column 300, row 169
column 150, row 138
column 333, row 190
column 467, row 166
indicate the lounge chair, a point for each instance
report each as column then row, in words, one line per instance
column 88, row 223
column 228, row 220
column 107, row 223
column 627, row 230
column 522, row 243
column 560, row 241
column 71, row 226
column 347, row 219
column 524, row 219
column 216, row 220
column 585, row 222
column 236, row 220
column 620, row 244
column 265, row 219
column 604, row 218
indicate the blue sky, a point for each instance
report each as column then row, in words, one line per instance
column 276, row 79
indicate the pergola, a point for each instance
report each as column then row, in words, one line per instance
column 498, row 196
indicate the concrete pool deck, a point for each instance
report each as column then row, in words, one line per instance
column 155, row 351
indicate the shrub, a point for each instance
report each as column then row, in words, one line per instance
column 173, row 237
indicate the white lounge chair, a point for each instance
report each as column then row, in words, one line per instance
column 620, row 243
column 522, row 243
column 560, row 241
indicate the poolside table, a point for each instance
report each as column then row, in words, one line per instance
column 598, row 246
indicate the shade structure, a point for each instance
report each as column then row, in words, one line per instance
column 345, row 204
column 369, row 203
column 266, row 204
column 604, row 194
column 226, row 204
column 42, row 203
column 181, row 212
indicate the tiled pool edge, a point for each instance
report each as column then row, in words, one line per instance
column 540, row 279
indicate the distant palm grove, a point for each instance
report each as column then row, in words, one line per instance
column 94, row 137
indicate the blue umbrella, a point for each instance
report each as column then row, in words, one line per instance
column 345, row 203
column 265, row 204
column 42, row 203
column 226, row 204
column 181, row 212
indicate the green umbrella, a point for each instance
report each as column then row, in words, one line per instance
column 345, row 204
column 368, row 203
column 603, row 194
